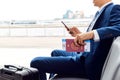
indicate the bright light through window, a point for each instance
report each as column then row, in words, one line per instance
column 43, row 9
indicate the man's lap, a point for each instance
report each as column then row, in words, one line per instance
column 67, row 65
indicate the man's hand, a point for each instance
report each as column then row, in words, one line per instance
column 74, row 31
column 80, row 38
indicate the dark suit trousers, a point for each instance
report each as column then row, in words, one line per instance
column 61, row 62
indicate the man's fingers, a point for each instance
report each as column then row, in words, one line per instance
column 79, row 41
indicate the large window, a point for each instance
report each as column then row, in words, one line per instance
column 42, row 17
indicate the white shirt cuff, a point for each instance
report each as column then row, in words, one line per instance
column 96, row 36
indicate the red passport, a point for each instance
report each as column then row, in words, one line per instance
column 71, row 47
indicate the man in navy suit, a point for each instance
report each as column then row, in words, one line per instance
column 101, row 32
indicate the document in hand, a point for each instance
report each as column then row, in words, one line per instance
column 71, row 47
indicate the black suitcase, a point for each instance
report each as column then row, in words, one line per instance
column 10, row 72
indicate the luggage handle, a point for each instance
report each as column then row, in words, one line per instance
column 12, row 66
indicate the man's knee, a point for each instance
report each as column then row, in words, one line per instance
column 33, row 63
column 36, row 62
column 55, row 52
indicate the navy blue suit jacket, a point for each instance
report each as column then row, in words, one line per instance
column 108, row 27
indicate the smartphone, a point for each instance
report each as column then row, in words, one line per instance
column 65, row 25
